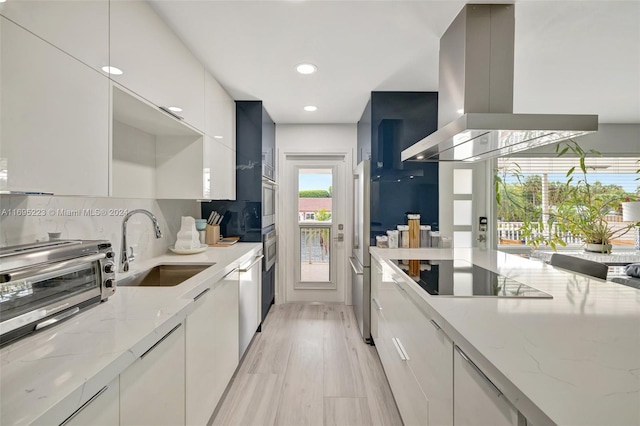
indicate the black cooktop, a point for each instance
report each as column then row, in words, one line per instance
column 461, row 278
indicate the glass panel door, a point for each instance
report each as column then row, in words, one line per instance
column 315, row 205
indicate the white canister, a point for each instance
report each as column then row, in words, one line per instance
column 382, row 241
column 425, row 236
column 404, row 236
column 393, row 238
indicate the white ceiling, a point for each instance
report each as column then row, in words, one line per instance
column 571, row 56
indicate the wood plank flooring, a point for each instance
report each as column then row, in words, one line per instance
column 309, row 366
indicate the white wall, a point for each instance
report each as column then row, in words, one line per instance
column 312, row 139
column 58, row 214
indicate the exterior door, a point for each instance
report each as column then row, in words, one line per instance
column 314, row 201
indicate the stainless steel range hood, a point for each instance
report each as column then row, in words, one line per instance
column 475, row 97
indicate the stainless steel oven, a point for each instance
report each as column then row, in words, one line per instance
column 268, row 203
column 44, row 283
column 269, row 249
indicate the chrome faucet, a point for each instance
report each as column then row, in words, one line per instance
column 126, row 258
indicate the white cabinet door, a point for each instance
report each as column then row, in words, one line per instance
column 103, row 409
column 226, row 331
column 476, row 400
column 152, row 389
column 200, row 354
column 55, row 119
column 219, row 171
column 431, row 354
column 250, row 301
column 80, row 28
column 412, row 403
column 155, row 64
column 220, row 113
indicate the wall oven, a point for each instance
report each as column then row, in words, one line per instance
column 268, row 203
column 44, row 283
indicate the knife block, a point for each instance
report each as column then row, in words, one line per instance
column 212, row 234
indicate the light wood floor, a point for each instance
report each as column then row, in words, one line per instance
column 309, row 366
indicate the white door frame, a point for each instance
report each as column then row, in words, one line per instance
column 287, row 228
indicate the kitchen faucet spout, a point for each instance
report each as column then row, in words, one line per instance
column 125, row 257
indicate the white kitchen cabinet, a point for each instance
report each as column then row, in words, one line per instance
column 431, row 353
column 79, row 28
column 103, row 409
column 55, row 119
column 152, row 389
column 477, row 401
column 225, row 330
column 219, row 113
column 155, row 64
column 153, row 156
column 412, row 403
column 250, row 301
column 219, row 170
column 201, row 346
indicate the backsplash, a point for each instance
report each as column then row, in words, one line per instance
column 28, row 219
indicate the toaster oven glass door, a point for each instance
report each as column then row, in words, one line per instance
column 28, row 299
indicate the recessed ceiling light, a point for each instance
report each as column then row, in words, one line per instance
column 175, row 109
column 420, row 157
column 460, row 111
column 306, row 68
column 310, row 108
column 218, row 137
column 410, row 177
column 112, row 70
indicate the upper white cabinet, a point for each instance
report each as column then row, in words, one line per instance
column 477, row 400
column 219, row 170
column 219, row 113
column 154, row 62
column 152, row 389
column 153, row 155
column 80, row 28
column 54, row 134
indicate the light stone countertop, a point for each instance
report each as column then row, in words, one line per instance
column 47, row 376
column 570, row 360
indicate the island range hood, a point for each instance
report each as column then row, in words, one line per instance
column 475, row 96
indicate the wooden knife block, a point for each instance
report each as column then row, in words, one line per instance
column 212, row 234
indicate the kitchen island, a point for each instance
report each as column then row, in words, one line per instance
column 47, row 376
column 570, row 360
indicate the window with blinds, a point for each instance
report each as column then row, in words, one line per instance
column 617, row 175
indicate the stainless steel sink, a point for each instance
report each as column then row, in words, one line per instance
column 163, row 276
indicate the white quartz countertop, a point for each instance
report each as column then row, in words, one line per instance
column 570, row 360
column 47, row 376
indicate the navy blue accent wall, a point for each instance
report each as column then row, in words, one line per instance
column 255, row 133
column 398, row 120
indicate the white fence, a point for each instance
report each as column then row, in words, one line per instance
column 510, row 233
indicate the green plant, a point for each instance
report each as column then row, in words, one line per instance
column 580, row 208
column 314, row 193
column 322, row 215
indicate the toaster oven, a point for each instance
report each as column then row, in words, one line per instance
column 41, row 284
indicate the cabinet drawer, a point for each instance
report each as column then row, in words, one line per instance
column 412, row 403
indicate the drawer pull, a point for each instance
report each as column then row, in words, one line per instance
column 377, row 304
column 435, row 324
column 401, row 351
column 398, row 284
column 171, row 113
column 160, row 341
column 248, row 268
column 205, row 291
column 229, row 273
column 83, row 406
column 477, row 369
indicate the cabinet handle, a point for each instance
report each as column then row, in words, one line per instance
column 161, row 340
column 477, row 369
column 171, row 113
column 83, row 406
column 377, row 303
column 398, row 284
column 205, row 291
column 353, row 266
column 435, row 324
column 257, row 259
column 229, row 273
column 401, row 351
